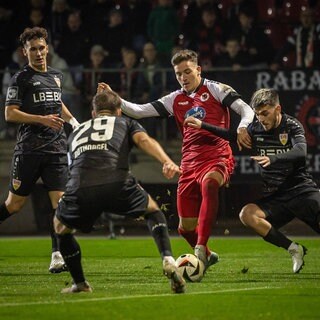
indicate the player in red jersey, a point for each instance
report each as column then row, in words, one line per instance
column 207, row 160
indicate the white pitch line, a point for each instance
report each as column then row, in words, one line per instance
column 129, row 297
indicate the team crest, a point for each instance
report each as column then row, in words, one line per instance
column 204, row 96
column 58, row 81
column 12, row 93
column 16, row 184
column 283, row 137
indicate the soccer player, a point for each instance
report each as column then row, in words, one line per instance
column 207, row 160
column 34, row 101
column 280, row 148
column 100, row 180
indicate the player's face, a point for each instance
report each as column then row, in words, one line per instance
column 36, row 51
column 188, row 75
column 269, row 116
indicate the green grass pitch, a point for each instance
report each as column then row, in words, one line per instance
column 128, row 283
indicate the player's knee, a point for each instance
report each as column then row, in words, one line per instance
column 59, row 227
column 247, row 214
column 189, row 224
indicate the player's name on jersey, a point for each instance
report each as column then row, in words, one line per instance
column 88, row 147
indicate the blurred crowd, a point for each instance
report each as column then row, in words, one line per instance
column 126, row 43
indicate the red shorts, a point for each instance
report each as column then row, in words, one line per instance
column 189, row 186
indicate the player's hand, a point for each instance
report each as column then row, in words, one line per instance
column 103, row 87
column 169, row 170
column 264, row 161
column 243, row 139
column 193, row 122
column 52, row 121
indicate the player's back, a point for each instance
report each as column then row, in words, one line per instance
column 100, row 148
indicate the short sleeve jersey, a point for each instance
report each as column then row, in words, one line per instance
column 288, row 177
column 210, row 102
column 37, row 93
column 99, row 150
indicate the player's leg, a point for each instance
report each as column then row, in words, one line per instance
column 158, row 228
column 265, row 220
column 54, row 176
column 12, row 205
column 70, row 249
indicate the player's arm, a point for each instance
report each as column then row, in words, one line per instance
column 138, row 111
column 218, row 131
column 68, row 117
column 14, row 114
column 150, row 146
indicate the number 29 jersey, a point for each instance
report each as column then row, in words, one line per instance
column 99, row 150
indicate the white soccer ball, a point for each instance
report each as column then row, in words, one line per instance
column 190, row 267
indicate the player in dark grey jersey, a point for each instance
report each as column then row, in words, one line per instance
column 34, row 101
column 280, row 148
column 100, row 180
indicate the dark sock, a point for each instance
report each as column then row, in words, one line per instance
column 71, row 253
column 4, row 213
column 277, row 238
column 157, row 225
column 54, row 240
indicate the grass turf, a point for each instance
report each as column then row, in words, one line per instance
column 128, row 284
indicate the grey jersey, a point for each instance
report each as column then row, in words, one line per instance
column 99, row 150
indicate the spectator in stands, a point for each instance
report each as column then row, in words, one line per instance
column 304, row 44
column 163, row 28
column 149, row 82
column 126, row 82
column 207, row 37
column 114, row 37
column 60, row 12
column 74, row 46
column 233, row 57
column 95, row 73
column 253, row 40
column 136, row 13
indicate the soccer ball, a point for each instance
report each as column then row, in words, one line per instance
column 190, row 267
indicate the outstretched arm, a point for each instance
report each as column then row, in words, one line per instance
column 219, row 132
column 154, row 149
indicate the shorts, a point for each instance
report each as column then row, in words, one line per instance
column 27, row 169
column 80, row 207
column 189, row 196
column 305, row 207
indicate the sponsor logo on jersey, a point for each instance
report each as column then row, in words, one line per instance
column 12, row 93
column 183, row 103
column 46, row 96
column 204, row 96
column 36, row 83
column 58, row 81
column 283, row 137
column 260, row 139
column 16, row 184
column 197, row 112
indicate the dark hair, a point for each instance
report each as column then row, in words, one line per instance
column 264, row 97
column 33, row 33
column 109, row 100
column 184, row 55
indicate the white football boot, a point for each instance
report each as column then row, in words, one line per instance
column 201, row 253
column 170, row 270
column 57, row 264
column 297, row 252
column 78, row 287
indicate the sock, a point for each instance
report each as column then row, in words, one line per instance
column 71, row 253
column 54, row 240
column 191, row 236
column 4, row 213
column 208, row 210
column 158, row 228
column 277, row 238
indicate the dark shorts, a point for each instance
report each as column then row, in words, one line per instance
column 27, row 169
column 80, row 207
column 305, row 207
